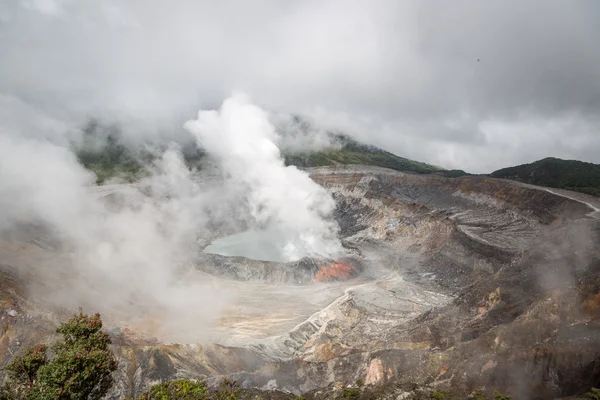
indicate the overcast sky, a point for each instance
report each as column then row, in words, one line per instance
column 476, row 85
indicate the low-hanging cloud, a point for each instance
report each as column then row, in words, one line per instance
column 436, row 83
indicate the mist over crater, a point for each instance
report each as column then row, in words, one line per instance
column 314, row 199
column 298, row 278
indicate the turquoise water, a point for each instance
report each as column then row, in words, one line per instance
column 256, row 245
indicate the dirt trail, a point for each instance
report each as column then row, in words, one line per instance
column 595, row 213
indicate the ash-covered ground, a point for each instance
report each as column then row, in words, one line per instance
column 454, row 282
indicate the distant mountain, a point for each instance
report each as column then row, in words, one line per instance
column 103, row 152
column 553, row 172
column 105, row 155
column 352, row 152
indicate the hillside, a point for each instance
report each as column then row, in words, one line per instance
column 113, row 159
column 554, row 172
column 353, row 152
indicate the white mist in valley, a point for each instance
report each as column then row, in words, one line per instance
column 290, row 212
column 126, row 251
column 129, row 251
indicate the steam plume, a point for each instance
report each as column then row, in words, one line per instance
column 283, row 201
column 128, row 251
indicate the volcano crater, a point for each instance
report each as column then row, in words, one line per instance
column 463, row 282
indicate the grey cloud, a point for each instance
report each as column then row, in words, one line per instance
column 466, row 84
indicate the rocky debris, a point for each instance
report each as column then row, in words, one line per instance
column 245, row 269
column 457, row 283
column 304, row 271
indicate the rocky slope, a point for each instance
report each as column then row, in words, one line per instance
column 452, row 282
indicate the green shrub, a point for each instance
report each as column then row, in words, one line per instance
column 480, row 395
column 500, row 396
column 593, row 394
column 179, row 389
column 186, row 389
column 23, row 369
column 440, row 395
column 81, row 368
column 227, row 390
column 350, row 394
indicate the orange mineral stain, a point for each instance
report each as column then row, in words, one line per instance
column 334, row 272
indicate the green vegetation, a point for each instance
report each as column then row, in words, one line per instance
column 353, row 152
column 185, row 389
column 23, row 369
column 454, row 173
column 105, row 170
column 102, row 153
column 440, row 395
column 593, row 394
column 480, row 395
column 553, row 172
column 81, row 367
column 351, row 394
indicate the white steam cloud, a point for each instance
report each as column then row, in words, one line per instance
column 130, row 251
column 128, row 255
column 285, row 204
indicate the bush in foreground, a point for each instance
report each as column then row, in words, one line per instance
column 81, row 367
column 185, row 389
